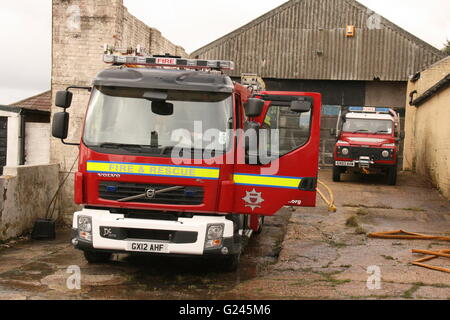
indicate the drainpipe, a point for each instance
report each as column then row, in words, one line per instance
column 22, row 138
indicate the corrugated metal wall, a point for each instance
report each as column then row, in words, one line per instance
column 305, row 39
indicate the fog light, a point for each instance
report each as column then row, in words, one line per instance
column 225, row 250
column 385, row 154
column 85, row 228
column 345, row 151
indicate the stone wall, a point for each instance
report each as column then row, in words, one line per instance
column 26, row 194
column 80, row 29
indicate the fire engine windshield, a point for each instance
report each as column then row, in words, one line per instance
column 373, row 126
column 121, row 119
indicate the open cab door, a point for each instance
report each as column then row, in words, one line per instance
column 291, row 119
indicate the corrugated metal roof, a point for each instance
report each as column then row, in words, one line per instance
column 305, row 39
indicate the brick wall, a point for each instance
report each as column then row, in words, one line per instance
column 80, row 29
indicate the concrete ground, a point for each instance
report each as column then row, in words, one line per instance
column 317, row 255
column 329, row 256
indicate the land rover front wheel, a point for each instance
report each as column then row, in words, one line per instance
column 392, row 175
column 336, row 174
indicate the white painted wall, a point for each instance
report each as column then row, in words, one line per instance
column 37, row 143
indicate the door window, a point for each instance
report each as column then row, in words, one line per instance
column 294, row 128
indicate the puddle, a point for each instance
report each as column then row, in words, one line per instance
column 194, row 278
column 139, row 277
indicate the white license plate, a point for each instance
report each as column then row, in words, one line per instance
column 150, row 247
column 345, row 163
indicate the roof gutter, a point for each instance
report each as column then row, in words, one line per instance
column 427, row 95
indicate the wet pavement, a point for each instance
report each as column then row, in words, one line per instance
column 42, row 269
column 307, row 254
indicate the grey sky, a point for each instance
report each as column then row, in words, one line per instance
column 25, row 30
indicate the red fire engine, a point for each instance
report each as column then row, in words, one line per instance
column 367, row 142
column 137, row 197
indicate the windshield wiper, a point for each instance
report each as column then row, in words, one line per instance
column 382, row 131
column 360, row 130
column 213, row 152
column 119, row 146
column 165, row 150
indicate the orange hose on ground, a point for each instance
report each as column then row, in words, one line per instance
column 400, row 234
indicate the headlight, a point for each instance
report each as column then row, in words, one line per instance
column 214, row 235
column 385, row 154
column 85, row 228
column 345, row 151
column 215, row 232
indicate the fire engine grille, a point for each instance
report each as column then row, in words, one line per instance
column 373, row 153
column 184, row 196
column 147, row 234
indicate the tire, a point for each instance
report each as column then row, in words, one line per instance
column 231, row 262
column 392, row 176
column 336, row 174
column 97, row 257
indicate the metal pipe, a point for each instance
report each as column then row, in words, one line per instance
column 22, row 133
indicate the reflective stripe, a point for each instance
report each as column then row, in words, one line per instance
column 153, row 170
column 267, row 181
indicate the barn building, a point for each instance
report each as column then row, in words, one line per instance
column 340, row 48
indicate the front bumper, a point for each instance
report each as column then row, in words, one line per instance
column 196, row 246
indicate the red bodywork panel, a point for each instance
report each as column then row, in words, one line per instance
column 222, row 195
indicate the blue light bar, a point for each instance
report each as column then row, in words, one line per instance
column 369, row 109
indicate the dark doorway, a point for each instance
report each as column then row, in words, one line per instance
column 3, row 142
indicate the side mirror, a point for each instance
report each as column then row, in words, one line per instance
column 301, row 106
column 63, row 99
column 333, row 132
column 251, row 142
column 254, row 107
column 162, row 108
column 344, row 116
column 60, row 126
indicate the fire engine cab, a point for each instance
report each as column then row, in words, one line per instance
column 166, row 163
column 367, row 142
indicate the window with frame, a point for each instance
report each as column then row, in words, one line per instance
column 294, row 128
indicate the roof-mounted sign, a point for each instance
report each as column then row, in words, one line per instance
column 136, row 58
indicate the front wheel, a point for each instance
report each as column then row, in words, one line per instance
column 97, row 257
column 230, row 263
column 336, row 174
column 392, row 175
